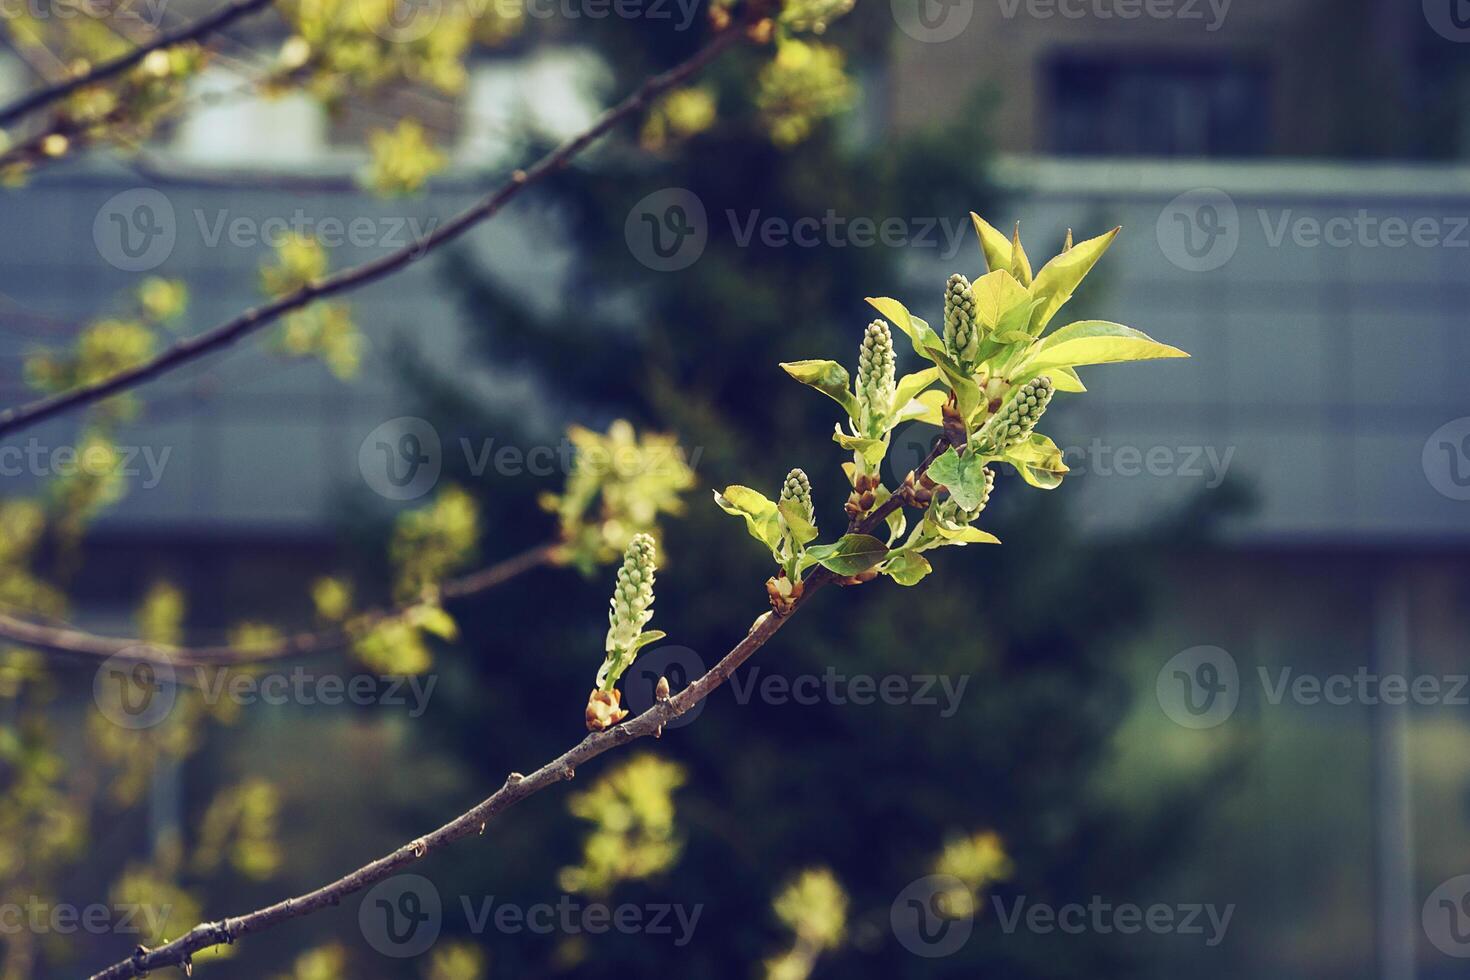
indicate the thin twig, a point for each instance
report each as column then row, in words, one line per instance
column 68, row 640
column 252, row 320
column 221, row 18
column 516, row 788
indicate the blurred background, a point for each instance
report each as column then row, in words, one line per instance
column 1212, row 690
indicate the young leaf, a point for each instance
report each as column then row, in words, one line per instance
column 1020, row 264
column 1039, row 462
column 645, row 638
column 996, row 295
column 911, row 384
column 802, row 530
column 966, row 535
column 872, row 450
column 967, row 392
column 828, row 377
column 920, row 334
column 997, row 247
column 1062, row 378
column 963, row 476
column 1097, row 342
column 849, row 554
column 932, row 403
column 1058, row 279
column 907, row 568
column 760, row 513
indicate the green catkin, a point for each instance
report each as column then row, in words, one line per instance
column 632, row 599
column 798, row 490
column 1018, row 417
column 961, row 323
column 876, row 383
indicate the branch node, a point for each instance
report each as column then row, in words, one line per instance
column 567, row 772
column 419, row 848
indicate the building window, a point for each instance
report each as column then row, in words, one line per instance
column 1128, row 105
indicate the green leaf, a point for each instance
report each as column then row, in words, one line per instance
column 995, row 246
column 896, row 520
column 963, row 476
column 645, row 638
column 933, row 405
column 849, row 554
column 996, row 295
column 1020, row 264
column 920, row 334
column 965, row 535
column 967, row 392
column 828, row 377
column 1059, row 278
column 802, row 530
column 1039, row 462
column 761, row 516
column 1063, row 378
column 907, row 568
column 872, row 450
column 1097, row 342
column 910, row 385
column 435, row 620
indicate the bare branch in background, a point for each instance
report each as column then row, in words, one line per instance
column 44, row 96
column 251, row 320
column 67, row 640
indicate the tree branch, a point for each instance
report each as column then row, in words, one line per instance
column 67, row 640
column 516, row 788
column 221, row 18
column 253, row 319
